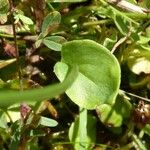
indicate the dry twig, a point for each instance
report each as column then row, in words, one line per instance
column 123, row 4
column 122, row 40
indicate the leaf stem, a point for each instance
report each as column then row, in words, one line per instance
column 91, row 23
column 121, row 41
column 9, row 97
column 83, row 127
column 15, row 42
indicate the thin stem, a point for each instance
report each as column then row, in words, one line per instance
column 91, row 23
column 50, row 6
column 137, row 96
column 121, row 41
column 15, row 42
column 6, row 35
column 123, row 4
column 138, row 144
column 83, row 127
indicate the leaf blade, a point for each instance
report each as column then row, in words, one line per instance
column 99, row 76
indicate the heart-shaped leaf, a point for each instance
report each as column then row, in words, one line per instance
column 99, row 73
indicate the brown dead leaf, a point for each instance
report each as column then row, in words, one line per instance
column 9, row 49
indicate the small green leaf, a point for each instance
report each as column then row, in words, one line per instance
column 14, row 115
column 3, row 120
column 143, row 39
column 25, row 20
column 122, row 24
column 51, row 21
column 3, row 18
column 52, row 45
column 48, row 122
column 57, row 39
column 122, row 105
column 146, row 129
column 4, row 6
column 99, row 73
column 54, row 42
column 38, row 43
column 60, row 69
column 109, row 116
column 112, row 116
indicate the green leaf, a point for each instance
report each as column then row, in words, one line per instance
column 4, row 6
column 54, row 42
column 3, row 18
column 122, row 24
column 99, row 73
column 122, row 105
column 109, row 116
column 112, row 116
column 143, row 40
column 146, row 129
column 57, row 39
column 14, row 115
column 51, row 21
column 48, row 122
column 52, row 45
column 25, row 20
column 38, row 43
column 3, row 120
column 75, row 133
